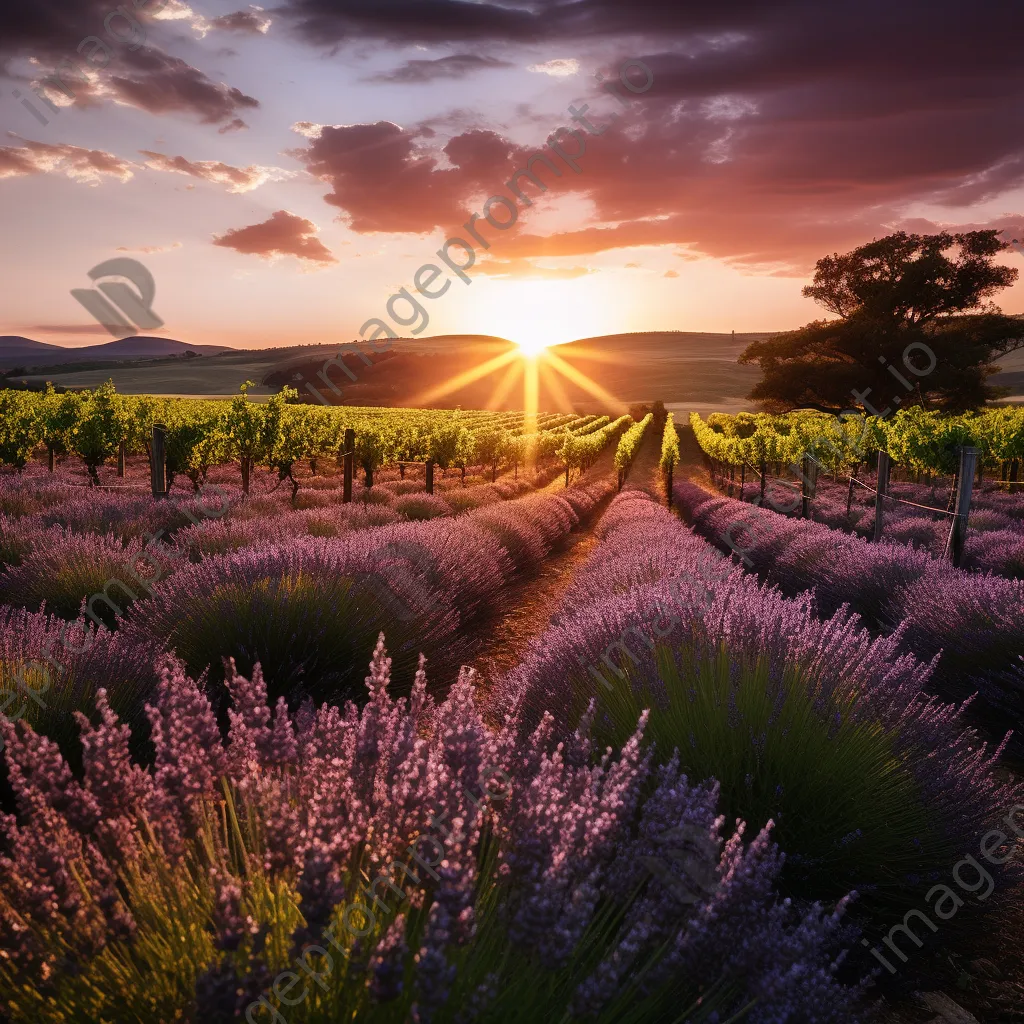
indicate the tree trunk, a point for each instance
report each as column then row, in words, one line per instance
column 49, row 457
column 245, row 474
column 401, row 470
column 463, row 468
column 120, row 459
column 369, row 476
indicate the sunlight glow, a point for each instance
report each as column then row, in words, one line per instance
column 532, row 347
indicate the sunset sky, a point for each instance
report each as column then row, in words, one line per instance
column 283, row 172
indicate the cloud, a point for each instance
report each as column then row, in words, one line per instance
column 87, row 166
column 527, row 268
column 388, row 178
column 161, row 84
column 557, row 68
column 670, row 273
column 239, row 179
column 235, row 125
column 458, row 65
column 251, row 22
column 149, row 249
column 69, row 329
column 284, row 234
column 48, row 35
column 772, row 133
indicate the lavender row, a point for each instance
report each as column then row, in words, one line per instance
column 501, row 915
column 971, row 624
column 305, row 608
column 658, row 619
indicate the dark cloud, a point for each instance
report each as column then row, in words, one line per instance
column 162, row 84
column 458, row 65
column 284, row 234
column 51, row 33
column 774, row 132
column 385, row 178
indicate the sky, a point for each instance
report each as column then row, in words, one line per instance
column 285, row 173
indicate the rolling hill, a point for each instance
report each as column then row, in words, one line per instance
column 17, row 351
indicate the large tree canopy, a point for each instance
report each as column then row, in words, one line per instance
column 914, row 327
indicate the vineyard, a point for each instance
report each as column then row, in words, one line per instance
column 98, row 426
column 923, row 442
column 320, row 714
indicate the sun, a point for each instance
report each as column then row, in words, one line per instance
column 532, row 347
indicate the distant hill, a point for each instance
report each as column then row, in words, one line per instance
column 674, row 366
column 17, row 351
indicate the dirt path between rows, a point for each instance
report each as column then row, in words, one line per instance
column 526, row 606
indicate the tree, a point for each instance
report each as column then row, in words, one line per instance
column 913, row 327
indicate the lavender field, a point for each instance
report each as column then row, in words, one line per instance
column 534, row 746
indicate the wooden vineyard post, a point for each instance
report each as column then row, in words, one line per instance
column 732, row 478
column 159, row 469
column 743, row 478
column 49, row 458
column 349, row 464
column 810, row 485
column 881, row 490
column 958, row 530
column 668, row 486
column 120, row 459
column 849, row 492
column 430, row 477
column 764, row 479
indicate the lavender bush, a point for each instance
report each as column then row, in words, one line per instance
column 66, row 571
column 972, row 623
column 812, row 723
column 179, row 892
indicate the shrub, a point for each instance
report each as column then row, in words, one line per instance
column 181, row 892
column 17, row 539
column 812, row 724
column 50, row 669
column 418, row 507
column 68, row 571
column 304, row 609
column 997, row 551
